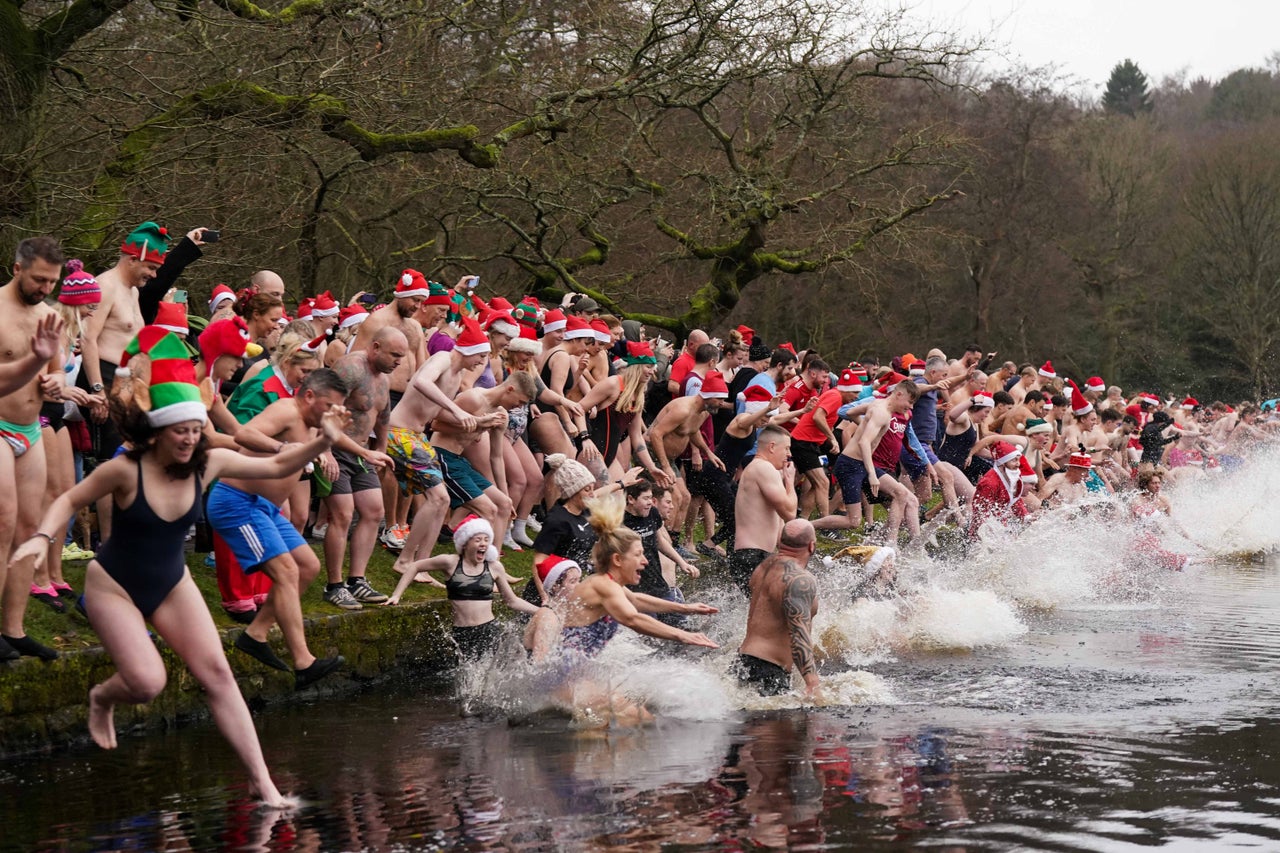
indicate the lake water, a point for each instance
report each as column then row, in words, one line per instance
column 1051, row 692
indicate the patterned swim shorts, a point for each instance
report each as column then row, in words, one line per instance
column 417, row 469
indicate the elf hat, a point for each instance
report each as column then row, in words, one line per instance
column 163, row 379
column 1079, row 405
column 147, row 242
column 982, row 400
column 324, row 305
column 221, row 294
column 437, row 293
column 172, row 317
column 412, row 283
column 1035, row 426
column 79, row 287
column 748, row 334
column 1095, row 384
column 502, row 322
column 526, row 313
column 553, row 321
column 849, row 381
column 472, row 339
column 713, row 386
column 576, row 327
column 1046, row 370
column 226, row 337
column 639, row 353
column 527, row 342
column 553, row 568
column 1004, row 453
column 1080, row 460
column 352, row 315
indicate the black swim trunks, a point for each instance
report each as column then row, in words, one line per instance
column 765, row 676
column 476, row 641
column 742, row 563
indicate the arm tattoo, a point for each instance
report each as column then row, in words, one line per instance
column 799, row 593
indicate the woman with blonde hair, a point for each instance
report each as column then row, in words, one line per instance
column 615, row 406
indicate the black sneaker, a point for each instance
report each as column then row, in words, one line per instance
column 30, row 648
column 304, row 678
column 8, row 652
column 362, row 592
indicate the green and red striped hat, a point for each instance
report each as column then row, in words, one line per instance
column 174, row 395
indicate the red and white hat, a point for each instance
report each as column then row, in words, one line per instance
column 982, row 400
column 314, row 344
column 527, row 342
column 502, row 322
column 1046, row 370
column 1080, row 460
column 469, row 528
column 554, row 320
column 1149, row 399
column 849, row 381
column 1003, row 452
column 472, row 339
column 1190, row 403
column 755, row 398
column 578, row 328
column 553, row 568
column 1079, row 405
column 221, row 294
column 713, row 386
column 916, row 368
column 324, row 305
column 304, row 307
column 352, row 315
column 412, row 283
column 1095, row 384
column 1025, row 472
column 172, row 317
column 601, row 331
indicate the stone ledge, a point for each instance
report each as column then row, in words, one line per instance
column 46, row 704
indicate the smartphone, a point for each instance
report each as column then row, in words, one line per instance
column 211, row 236
column 368, row 299
column 180, row 297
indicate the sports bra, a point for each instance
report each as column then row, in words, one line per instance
column 465, row 587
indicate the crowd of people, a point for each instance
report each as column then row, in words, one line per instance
column 439, row 414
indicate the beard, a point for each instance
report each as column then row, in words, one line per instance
column 31, row 298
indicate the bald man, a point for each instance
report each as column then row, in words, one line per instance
column 358, row 455
column 681, row 367
column 784, row 600
column 266, row 281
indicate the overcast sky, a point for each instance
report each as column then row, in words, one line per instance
column 1086, row 38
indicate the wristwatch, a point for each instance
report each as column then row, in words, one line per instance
column 95, row 387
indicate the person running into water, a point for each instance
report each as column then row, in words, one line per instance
column 139, row 575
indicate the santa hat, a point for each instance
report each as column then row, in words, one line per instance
column 221, row 293
column 849, row 381
column 501, row 322
column 527, row 342
column 1025, row 472
column 1003, row 452
column 1035, row 426
column 1080, row 460
column 352, row 315
column 1079, row 405
column 554, row 321
column 1149, row 399
column 472, row 339
column 916, row 368
column 324, row 305
column 147, row 242
column 170, row 395
column 551, row 569
column 412, row 283
column 172, row 317
column 79, row 287
column 1095, row 384
column 304, row 308
column 437, row 294
column 1046, row 370
column 314, row 344
column 600, row 329
column 285, row 319
column 469, row 528
column 755, row 398
column 639, row 353
column 226, row 337
column 748, row 334
column 982, row 400
column 713, row 386
column 1190, row 403
column 788, row 346
column 577, row 328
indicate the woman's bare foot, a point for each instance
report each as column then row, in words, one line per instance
column 269, row 797
column 102, row 727
column 420, row 577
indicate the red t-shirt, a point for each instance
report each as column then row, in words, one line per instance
column 680, row 368
column 797, row 395
column 806, row 430
column 889, row 449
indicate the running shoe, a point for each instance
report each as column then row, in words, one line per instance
column 319, row 531
column 340, row 596
column 391, row 540
column 73, row 553
column 362, row 592
column 686, row 553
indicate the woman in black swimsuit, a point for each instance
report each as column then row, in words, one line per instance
column 140, row 575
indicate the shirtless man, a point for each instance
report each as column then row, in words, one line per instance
column 246, row 513
column 784, row 600
column 766, row 501
column 1086, row 430
column 968, row 363
column 429, row 399
column 872, row 455
column 116, row 322
column 679, row 425
column 363, row 450
column 266, row 281
column 995, row 382
column 412, row 291
column 1027, row 381
column 24, row 350
column 1067, row 487
column 465, row 485
column 1032, row 407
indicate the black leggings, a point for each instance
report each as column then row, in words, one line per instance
column 716, row 486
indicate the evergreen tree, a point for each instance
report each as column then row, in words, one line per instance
column 1127, row 90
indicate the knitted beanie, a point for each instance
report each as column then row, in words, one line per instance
column 79, row 287
column 571, row 476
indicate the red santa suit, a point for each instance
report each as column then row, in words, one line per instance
column 998, row 495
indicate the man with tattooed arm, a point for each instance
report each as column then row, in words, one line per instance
column 784, row 600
